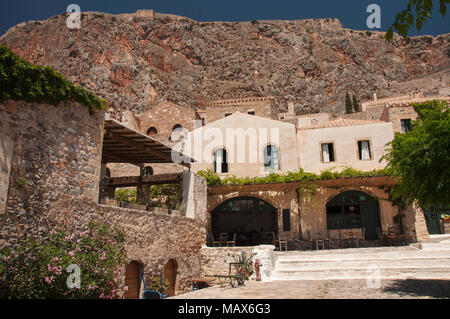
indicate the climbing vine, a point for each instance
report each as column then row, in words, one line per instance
column 22, row 80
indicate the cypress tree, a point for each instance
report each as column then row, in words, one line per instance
column 348, row 104
column 356, row 107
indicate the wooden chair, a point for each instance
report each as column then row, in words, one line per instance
column 334, row 243
column 232, row 243
column 215, row 243
column 283, row 243
column 223, row 239
column 348, row 239
column 381, row 237
column 270, row 237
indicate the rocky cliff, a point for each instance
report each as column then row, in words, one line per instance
column 137, row 61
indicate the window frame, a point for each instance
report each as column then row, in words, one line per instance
column 359, row 158
column 334, row 152
column 223, row 162
column 264, row 158
column 409, row 128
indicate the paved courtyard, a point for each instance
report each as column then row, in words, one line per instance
column 328, row 289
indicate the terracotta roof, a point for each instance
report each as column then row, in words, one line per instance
column 339, row 122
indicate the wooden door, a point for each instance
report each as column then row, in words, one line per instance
column 132, row 280
column 170, row 273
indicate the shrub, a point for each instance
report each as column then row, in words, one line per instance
column 37, row 269
column 22, row 80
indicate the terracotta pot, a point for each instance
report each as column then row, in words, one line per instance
column 446, row 220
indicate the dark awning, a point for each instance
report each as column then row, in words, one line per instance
column 122, row 144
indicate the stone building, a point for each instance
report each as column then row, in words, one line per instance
column 53, row 176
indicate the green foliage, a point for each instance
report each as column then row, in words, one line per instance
column 213, row 179
column 416, row 13
column 159, row 285
column 420, row 158
column 126, row 195
column 356, row 107
column 166, row 196
column 244, row 265
column 21, row 183
column 348, row 104
column 22, row 80
column 36, row 269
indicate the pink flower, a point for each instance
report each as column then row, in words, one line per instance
column 49, row 280
column 125, row 288
column 71, row 253
column 56, row 259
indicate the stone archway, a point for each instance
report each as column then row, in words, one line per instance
column 353, row 209
column 170, row 274
column 249, row 217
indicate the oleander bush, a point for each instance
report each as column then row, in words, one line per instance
column 38, row 268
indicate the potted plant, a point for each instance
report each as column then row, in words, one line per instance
column 244, row 266
column 445, row 218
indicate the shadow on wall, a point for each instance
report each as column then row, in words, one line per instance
column 420, row 287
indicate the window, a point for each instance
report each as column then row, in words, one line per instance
column 328, row 152
column 344, row 210
column 286, row 220
column 251, row 112
column 177, row 133
column 148, row 171
column 406, row 125
column 271, row 161
column 227, row 114
column 152, row 131
column 220, row 161
column 364, row 152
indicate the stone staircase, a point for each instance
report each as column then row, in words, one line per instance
column 422, row 261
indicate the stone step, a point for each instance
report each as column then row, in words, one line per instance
column 362, row 263
column 358, row 273
column 395, row 255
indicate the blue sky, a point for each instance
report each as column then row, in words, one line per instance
column 352, row 13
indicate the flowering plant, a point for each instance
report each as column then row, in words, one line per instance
column 39, row 268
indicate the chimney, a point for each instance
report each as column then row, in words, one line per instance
column 291, row 107
column 375, row 97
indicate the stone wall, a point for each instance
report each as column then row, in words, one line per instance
column 396, row 114
column 54, row 184
column 153, row 239
column 264, row 107
column 216, row 260
column 446, row 227
column 415, row 224
column 57, row 155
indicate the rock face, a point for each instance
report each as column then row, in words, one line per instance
column 137, row 60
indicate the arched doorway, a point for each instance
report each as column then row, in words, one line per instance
column 249, row 217
column 354, row 209
column 133, row 273
column 170, row 274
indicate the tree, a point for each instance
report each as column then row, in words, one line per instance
column 356, row 107
column 419, row 159
column 348, row 104
column 416, row 13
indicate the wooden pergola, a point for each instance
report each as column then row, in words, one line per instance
column 122, row 144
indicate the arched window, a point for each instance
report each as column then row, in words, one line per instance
column 177, row 133
column 152, row 131
column 271, row 161
column 148, row 171
column 177, row 128
column 220, row 161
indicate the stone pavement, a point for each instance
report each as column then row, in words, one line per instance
column 327, row 289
